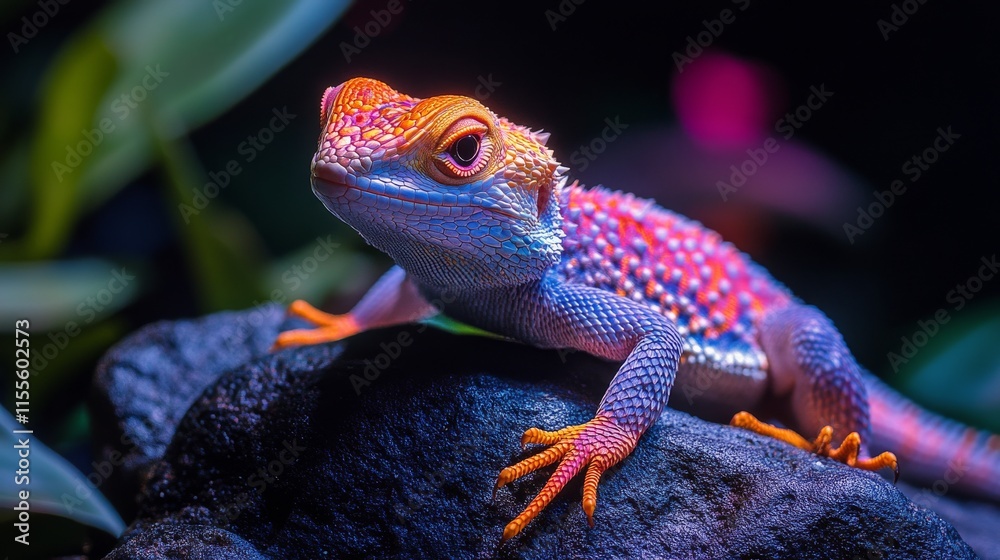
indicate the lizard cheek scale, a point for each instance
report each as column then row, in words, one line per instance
column 477, row 212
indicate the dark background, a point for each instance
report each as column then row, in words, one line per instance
column 609, row 59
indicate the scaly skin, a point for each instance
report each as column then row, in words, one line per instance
column 477, row 212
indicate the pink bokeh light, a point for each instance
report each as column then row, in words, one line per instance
column 724, row 102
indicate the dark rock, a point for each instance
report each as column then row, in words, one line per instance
column 145, row 384
column 185, row 542
column 299, row 454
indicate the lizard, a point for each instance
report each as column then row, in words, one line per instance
column 484, row 226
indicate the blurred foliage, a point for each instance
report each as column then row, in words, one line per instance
column 958, row 370
column 142, row 72
column 117, row 98
column 55, row 486
column 53, row 295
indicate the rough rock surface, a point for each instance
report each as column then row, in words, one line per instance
column 388, row 445
column 145, row 384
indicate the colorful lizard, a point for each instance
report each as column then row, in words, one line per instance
column 482, row 225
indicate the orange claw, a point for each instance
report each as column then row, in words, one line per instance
column 329, row 328
column 598, row 444
column 846, row 453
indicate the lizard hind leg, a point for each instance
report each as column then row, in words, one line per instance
column 848, row 452
column 814, row 373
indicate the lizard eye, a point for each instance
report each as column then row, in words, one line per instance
column 465, row 149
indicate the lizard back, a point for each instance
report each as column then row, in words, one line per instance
column 632, row 247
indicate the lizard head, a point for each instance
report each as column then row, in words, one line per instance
column 454, row 194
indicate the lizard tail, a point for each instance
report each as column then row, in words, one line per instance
column 940, row 454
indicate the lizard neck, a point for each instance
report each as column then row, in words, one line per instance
column 493, row 254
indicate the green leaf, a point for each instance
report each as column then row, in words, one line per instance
column 221, row 245
column 52, row 295
column 215, row 56
column 55, row 487
column 76, row 83
column 143, row 65
column 958, row 371
column 75, row 360
column 457, row 327
column 317, row 269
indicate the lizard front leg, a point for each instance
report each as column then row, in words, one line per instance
column 595, row 321
column 813, row 371
column 393, row 300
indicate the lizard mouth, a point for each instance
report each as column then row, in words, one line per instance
column 334, row 185
column 329, row 189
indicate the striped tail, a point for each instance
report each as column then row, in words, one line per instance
column 940, row 455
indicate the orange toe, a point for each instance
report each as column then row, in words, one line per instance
column 596, row 446
column 330, row 328
column 847, row 452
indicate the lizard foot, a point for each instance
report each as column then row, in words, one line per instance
column 846, row 453
column 600, row 443
column 329, row 328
